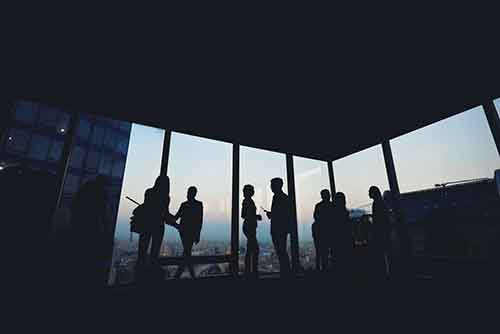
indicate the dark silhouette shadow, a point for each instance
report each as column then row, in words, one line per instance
column 281, row 224
column 342, row 235
column 191, row 221
column 322, row 230
column 148, row 221
column 250, row 216
column 28, row 200
column 380, row 243
column 90, row 228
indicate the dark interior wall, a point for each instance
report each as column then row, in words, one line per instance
column 293, row 86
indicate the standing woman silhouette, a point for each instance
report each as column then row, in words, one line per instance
column 250, row 216
column 156, row 201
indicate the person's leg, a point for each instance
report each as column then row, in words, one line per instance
column 182, row 266
column 248, row 254
column 279, row 241
column 253, row 252
column 189, row 260
column 144, row 239
column 157, row 238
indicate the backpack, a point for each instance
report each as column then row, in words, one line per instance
column 138, row 220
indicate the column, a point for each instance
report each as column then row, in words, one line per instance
column 331, row 178
column 291, row 194
column 493, row 121
column 165, row 153
column 235, row 209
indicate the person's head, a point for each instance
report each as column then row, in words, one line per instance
column 374, row 193
column 191, row 194
column 162, row 182
column 339, row 200
column 277, row 185
column 248, row 191
column 325, row 195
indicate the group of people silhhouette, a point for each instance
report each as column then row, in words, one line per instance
column 332, row 228
column 152, row 216
column 332, row 232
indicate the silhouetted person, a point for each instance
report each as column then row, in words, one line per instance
column 191, row 221
column 281, row 224
column 380, row 243
column 342, row 234
column 323, row 218
column 156, row 202
column 89, row 223
column 250, row 216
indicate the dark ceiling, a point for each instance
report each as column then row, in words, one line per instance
column 302, row 89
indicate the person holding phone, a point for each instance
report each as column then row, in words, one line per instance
column 191, row 216
column 250, row 216
column 281, row 224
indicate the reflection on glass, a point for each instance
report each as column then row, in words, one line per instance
column 311, row 176
column 258, row 167
column 207, row 165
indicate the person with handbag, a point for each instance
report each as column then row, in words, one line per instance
column 149, row 222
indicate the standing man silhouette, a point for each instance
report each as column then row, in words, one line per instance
column 281, row 224
column 323, row 218
column 191, row 215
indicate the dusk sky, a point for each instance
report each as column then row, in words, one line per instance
column 457, row 148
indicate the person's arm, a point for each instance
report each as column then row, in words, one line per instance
column 315, row 214
column 200, row 224
column 179, row 212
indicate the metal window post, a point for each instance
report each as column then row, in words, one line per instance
column 234, row 266
column 294, row 242
column 400, row 224
column 331, row 178
column 165, row 152
column 493, row 121
column 69, row 142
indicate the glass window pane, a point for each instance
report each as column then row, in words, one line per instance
column 446, row 176
column 56, row 150
column 17, row 141
column 122, row 146
column 311, row 176
column 92, row 160
column 497, row 106
column 83, row 129
column 205, row 164
column 26, row 112
column 97, row 135
column 118, row 168
column 48, row 116
column 39, row 147
column 355, row 174
column 110, row 139
column 457, row 148
column 105, row 165
column 258, row 167
column 77, row 156
column 146, row 145
column 71, row 183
